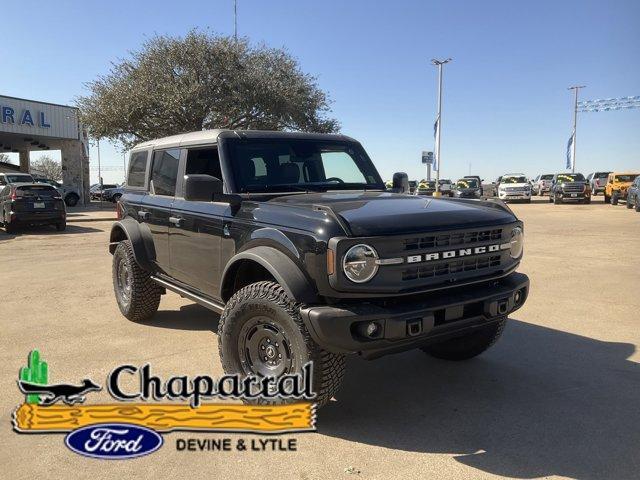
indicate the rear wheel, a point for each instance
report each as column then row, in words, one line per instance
column 61, row 226
column 71, row 200
column 262, row 333
column 469, row 345
column 137, row 295
column 116, row 197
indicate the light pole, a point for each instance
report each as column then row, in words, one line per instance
column 439, row 64
column 575, row 89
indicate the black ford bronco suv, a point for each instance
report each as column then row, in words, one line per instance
column 295, row 240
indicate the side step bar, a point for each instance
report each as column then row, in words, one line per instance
column 205, row 302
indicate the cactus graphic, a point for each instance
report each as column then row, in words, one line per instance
column 37, row 371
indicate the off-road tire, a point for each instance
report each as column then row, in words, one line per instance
column 145, row 294
column 469, row 345
column 614, row 199
column 269, row 300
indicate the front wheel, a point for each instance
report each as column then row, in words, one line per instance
column 138, row 296
column 468, row 346
column 637, row 204
column 557, row 200
column 607, row 198
column 261, row 333
column 614, row 199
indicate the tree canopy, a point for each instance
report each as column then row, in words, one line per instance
column 48, row 167
column 201, row 81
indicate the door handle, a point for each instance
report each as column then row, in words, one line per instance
column 143, row 214
column 176, row 221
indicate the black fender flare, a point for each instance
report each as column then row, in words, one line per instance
column 130, row 229
column 286, row 272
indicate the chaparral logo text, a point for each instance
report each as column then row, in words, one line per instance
column 461, row 252
column 114, row 441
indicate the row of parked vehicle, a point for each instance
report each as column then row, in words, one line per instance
column 109, row 192
column 560, row 187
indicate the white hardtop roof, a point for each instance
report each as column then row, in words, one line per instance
column 182, row 139
column 208, row 137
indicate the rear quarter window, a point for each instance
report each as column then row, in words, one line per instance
column 37, row 190
column 137, row 169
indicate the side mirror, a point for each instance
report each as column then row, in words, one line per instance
column 400, row 182
column 201, row 188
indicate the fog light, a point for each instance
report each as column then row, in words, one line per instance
column 372, row 329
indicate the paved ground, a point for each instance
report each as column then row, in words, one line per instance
column 557, row 396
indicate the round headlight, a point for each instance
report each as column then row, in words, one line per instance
column 517, row 242
column 359, row 263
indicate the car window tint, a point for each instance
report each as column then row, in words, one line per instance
column 165, row 172
column 137, row 169
column 203, row 161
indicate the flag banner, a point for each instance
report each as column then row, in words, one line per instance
column 571, row 152
column 608, row 104
column 436, row 150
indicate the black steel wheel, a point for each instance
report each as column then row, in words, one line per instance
column 262, row 333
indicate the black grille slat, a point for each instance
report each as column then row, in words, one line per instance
column 449, row 268
column 452, row 239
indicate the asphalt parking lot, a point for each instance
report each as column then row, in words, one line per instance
column 557, row 396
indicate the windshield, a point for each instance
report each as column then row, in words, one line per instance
column 570, row 177
column 546, row 177
column 514, row 180
column 602, row 174
column 429, row 184
column 467, row 183
column 626, row 178
column 19, row 178
column 262, row 165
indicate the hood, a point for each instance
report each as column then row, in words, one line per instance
column 385, row 213
column 516, row 185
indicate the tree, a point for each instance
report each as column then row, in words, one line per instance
column 4, row 158
column 201, row 81
column 48, row 168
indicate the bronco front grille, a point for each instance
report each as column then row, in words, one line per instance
column 450, row 268
column 452, row 239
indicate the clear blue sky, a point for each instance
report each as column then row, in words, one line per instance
column 506, row 104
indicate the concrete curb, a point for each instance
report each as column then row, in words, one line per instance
column 90, row 219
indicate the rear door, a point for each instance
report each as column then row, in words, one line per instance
column 155, row 206
column 196, row 229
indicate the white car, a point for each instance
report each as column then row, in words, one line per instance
column 514, row 187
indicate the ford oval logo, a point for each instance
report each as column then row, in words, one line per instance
column 113, row 441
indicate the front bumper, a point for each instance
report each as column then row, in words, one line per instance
column 514, row 195
column 573, row 196
column 405, row 324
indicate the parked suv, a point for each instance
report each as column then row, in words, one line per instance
column 514, row 187
column 11, row 178
column 633, row 195
column 542, row 184
column 598, row 181
column 617, row 185
column 68, row 194
column 294, row 239
column 24, row 204
column 569, row 187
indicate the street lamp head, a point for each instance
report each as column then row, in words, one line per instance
column 435, row 61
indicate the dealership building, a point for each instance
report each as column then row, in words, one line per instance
column 29, row 125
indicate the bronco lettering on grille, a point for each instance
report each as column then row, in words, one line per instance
column 461, row 252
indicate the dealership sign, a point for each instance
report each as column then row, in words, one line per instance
column 21, row 117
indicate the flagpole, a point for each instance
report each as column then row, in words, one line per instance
column 437, row 159
column 575, row 89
